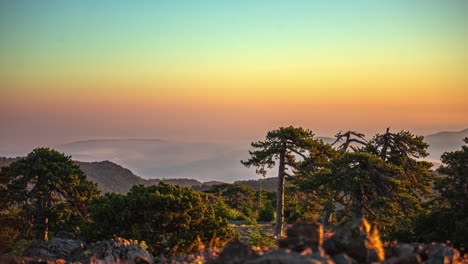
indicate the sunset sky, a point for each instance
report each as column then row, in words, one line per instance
column 228, row 70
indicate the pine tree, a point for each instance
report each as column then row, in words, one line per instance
column 290, row 147
column 405, row 150
column 49, row 189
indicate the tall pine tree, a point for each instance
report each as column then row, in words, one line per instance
column 289, row 147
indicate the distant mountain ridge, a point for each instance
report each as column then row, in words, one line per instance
column 112, row 177
column 445, row 141
column 167, row 159
column 179, row 162
column 206, row 161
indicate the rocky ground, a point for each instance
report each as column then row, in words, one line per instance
column 357, row 242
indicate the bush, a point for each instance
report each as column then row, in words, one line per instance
column 267, row 213
column 224, row 211
column 258, row 238
column 171, row 219
column 442, row 225
column 12, row 226
column 20, row 246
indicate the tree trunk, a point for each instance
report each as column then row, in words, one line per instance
column 327, row 213
column 386, row 139
column 280, row 195
column 46, row 229
column 358, row 206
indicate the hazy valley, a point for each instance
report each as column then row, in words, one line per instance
column 203, row 161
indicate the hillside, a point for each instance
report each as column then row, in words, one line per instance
column 112, row 177
column 189, row 163
column 444, row 141
column 270, row 184
column 151, row 158
column 6, row 161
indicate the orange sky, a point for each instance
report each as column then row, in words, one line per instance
column 225, row 71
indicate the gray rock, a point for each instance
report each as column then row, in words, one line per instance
column 441, row 254
column 342, row 258
column 66, row 235
column 117, row 250
column 9, row 258
column 56, row 248
column 282, row 256
column 358, row 240
column 302, row 236
column 405, row 259
column 235, row 253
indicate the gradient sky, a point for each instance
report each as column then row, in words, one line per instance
column 228, row 70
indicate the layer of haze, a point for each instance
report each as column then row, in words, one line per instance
column 228, row 70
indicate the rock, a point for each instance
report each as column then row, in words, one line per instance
column 403, row 249
column 342, row 258
column 62, row 248
column 56, row 248
column 303, row 236
column 235, row 253
column 282, row 256
column 66, row 235
column 9, row 258
column 117, row 250
column 406, row 259
column 442, row 254
column 358, row 240
column 39, row 249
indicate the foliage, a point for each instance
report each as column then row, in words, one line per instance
column 270, row 184
column 453, row 188
column 404, row 149
column 448, row 218
column 235, row 195
column 48, row 190
column 267, row 213
column 258, row 238
column 19, row 247
column 381, row 180
column 171, row 219
column 301, row 205
column 288, row 146
column 11, row 223
column 222, row 210
column 369, row 186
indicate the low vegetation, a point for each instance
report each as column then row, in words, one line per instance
column 382, row 179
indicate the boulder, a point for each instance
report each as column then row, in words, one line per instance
column 235, row 253
column 9, row 258
column 302, row 236
column 117, row 250
column 406, row 259
column 358, row 240
column 342, row 258
column 283, row 256
column 56, row 248
column 442, row 254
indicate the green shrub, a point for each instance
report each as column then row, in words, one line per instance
column 224, row 211
column 267, row 213
column 19, row 246
column 171, row 219
column 258, row 238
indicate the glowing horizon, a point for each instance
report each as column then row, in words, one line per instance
column 229, row 70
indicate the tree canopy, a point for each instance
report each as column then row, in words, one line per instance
column 446, row 217
column 290, row 147
column 172, row 219
column 380, row 179
column 49, row 191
